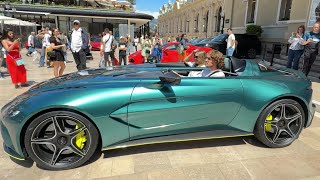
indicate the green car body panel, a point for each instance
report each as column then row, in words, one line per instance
column 126, row 108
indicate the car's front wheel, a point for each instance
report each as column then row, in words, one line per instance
column 280, row 123
column 61, row 140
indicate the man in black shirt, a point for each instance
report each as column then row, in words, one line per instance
column 122, row 51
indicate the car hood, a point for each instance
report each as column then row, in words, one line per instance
column 84, row 78
column 81, row 79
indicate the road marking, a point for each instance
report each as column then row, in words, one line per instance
column 316, row 102
column 317, row 114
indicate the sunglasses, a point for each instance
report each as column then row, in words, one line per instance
column 195, row 56
column 75, row 24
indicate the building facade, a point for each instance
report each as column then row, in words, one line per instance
column 207, row 18
column 94, row 20
column 197, row 18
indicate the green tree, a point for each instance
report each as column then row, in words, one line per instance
column 133, row 2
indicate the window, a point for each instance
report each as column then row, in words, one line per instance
column 196, row 25
column 285, row 10
column 251, row 13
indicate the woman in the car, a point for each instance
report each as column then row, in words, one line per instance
column 199, row 61
column 214, row 63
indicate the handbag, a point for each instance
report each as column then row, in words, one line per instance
column 19, row 62
column 51, row 54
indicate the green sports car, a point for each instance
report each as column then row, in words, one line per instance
column 61, row 122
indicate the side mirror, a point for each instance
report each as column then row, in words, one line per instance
column 170, row 78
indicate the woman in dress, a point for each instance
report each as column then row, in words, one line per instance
column 18, row 73
column 58, row 58
column 146, row 51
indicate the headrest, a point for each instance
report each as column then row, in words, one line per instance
column 227, row 64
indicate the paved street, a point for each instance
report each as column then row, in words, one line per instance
column 232, row 158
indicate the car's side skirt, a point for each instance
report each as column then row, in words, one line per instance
column 181, row 138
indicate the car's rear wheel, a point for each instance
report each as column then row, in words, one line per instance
column 252, row 53
column 280, row 123
column 61, row 140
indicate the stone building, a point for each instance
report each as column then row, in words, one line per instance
column 197, row 18
column 206, row 18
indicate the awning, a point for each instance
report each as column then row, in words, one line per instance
column 16, row 22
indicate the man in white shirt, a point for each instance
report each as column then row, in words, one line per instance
column 231, row 43
column 79, row 45
column 31, row 43
column 107, row 47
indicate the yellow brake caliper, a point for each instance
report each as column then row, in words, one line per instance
column 268, row 126
column 80, row 138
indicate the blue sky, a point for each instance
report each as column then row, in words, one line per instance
column 150, row 6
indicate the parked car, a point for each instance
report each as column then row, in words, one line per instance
column 246, row 46
column 95, row 43
column 169, row 53
column 196, row 41
column 61, row 122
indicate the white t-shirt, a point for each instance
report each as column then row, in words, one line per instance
column 30, row 40
column 194, row 73
column 107, row 40
column 208, row 73
column 230, row 38
column 46, row 40
column 76, row 40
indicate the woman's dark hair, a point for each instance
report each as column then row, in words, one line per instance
column 304, row 29
column 5, row 34
column 182, row 36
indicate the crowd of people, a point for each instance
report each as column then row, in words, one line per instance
column 51, row 46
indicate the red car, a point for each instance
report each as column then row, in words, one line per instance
column 95, row 43
column 169, row 53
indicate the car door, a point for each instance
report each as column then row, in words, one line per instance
column 196, row 104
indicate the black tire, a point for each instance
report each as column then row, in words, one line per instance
column 275, row 130
column 251, row 53
column 61, row 140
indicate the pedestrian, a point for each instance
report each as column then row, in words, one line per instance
column 16, row 69
column 31, row 43
column 157, row 47
column 129, row 45
column 311, row 43
column 79, row 45
column 45, row 36
column 136, row 42
column 106, row 48
column 65, row 41
column 231, row 43
column 113, row 49
column 57, row 56
column 296, row 48
column 182, row 47
column 102, row 61
column 123, row 45
column 146, row 48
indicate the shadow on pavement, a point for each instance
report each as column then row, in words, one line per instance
column 183, row 145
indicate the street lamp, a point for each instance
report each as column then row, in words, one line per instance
column 222, row 17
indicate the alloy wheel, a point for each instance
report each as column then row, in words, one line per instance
column 283, row 124
column 60, row 141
